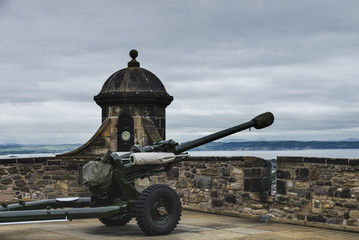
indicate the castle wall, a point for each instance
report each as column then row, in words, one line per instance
column 40, row 178
column 320, row 192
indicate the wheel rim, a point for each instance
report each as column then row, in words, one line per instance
column 161, row 211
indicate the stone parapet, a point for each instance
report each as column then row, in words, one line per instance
column 318, row 190
column 313, row 192
column 40, row 178
column 232, row 184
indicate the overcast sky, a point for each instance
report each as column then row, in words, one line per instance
column 224, row 62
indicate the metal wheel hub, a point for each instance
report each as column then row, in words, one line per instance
column 161, row 211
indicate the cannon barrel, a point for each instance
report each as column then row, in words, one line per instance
column 261, row 121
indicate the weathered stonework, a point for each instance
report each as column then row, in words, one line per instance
column 310, row 191
column 40, row 178
column 133, row 102
column 219, row 183
column 324, row 190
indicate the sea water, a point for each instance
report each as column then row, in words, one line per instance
column 265, row 154
column 325, row 153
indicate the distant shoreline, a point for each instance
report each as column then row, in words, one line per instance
column 265, row 154
column 277, row 145
column 13, row 149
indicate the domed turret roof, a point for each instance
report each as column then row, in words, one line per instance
column 133, row 85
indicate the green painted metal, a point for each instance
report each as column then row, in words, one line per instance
column 49, row 203
column 261, row 121
column 74, row 213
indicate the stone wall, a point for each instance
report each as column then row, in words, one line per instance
column 40, row 178
column 218, row 183
column 155, row 114
column 320, row 192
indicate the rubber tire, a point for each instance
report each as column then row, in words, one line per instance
column 115, row 222
column 146, row 215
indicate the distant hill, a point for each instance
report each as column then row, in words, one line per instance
column 13, row 149
column 36, row 149
column 277, row 145
column 351, row 140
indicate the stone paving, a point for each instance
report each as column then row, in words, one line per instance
column 193, row 225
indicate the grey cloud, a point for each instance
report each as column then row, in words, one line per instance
column 223, row 63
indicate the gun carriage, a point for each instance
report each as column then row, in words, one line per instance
column 114, row 198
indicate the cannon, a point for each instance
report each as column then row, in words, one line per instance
column 114, row 199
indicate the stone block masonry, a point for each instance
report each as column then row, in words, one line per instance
column 40, row 178
column 220, row 184
column 320, row 192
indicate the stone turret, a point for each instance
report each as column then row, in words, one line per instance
column 133, row 102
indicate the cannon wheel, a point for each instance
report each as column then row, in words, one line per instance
column 158, row 210
column 115, row 222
